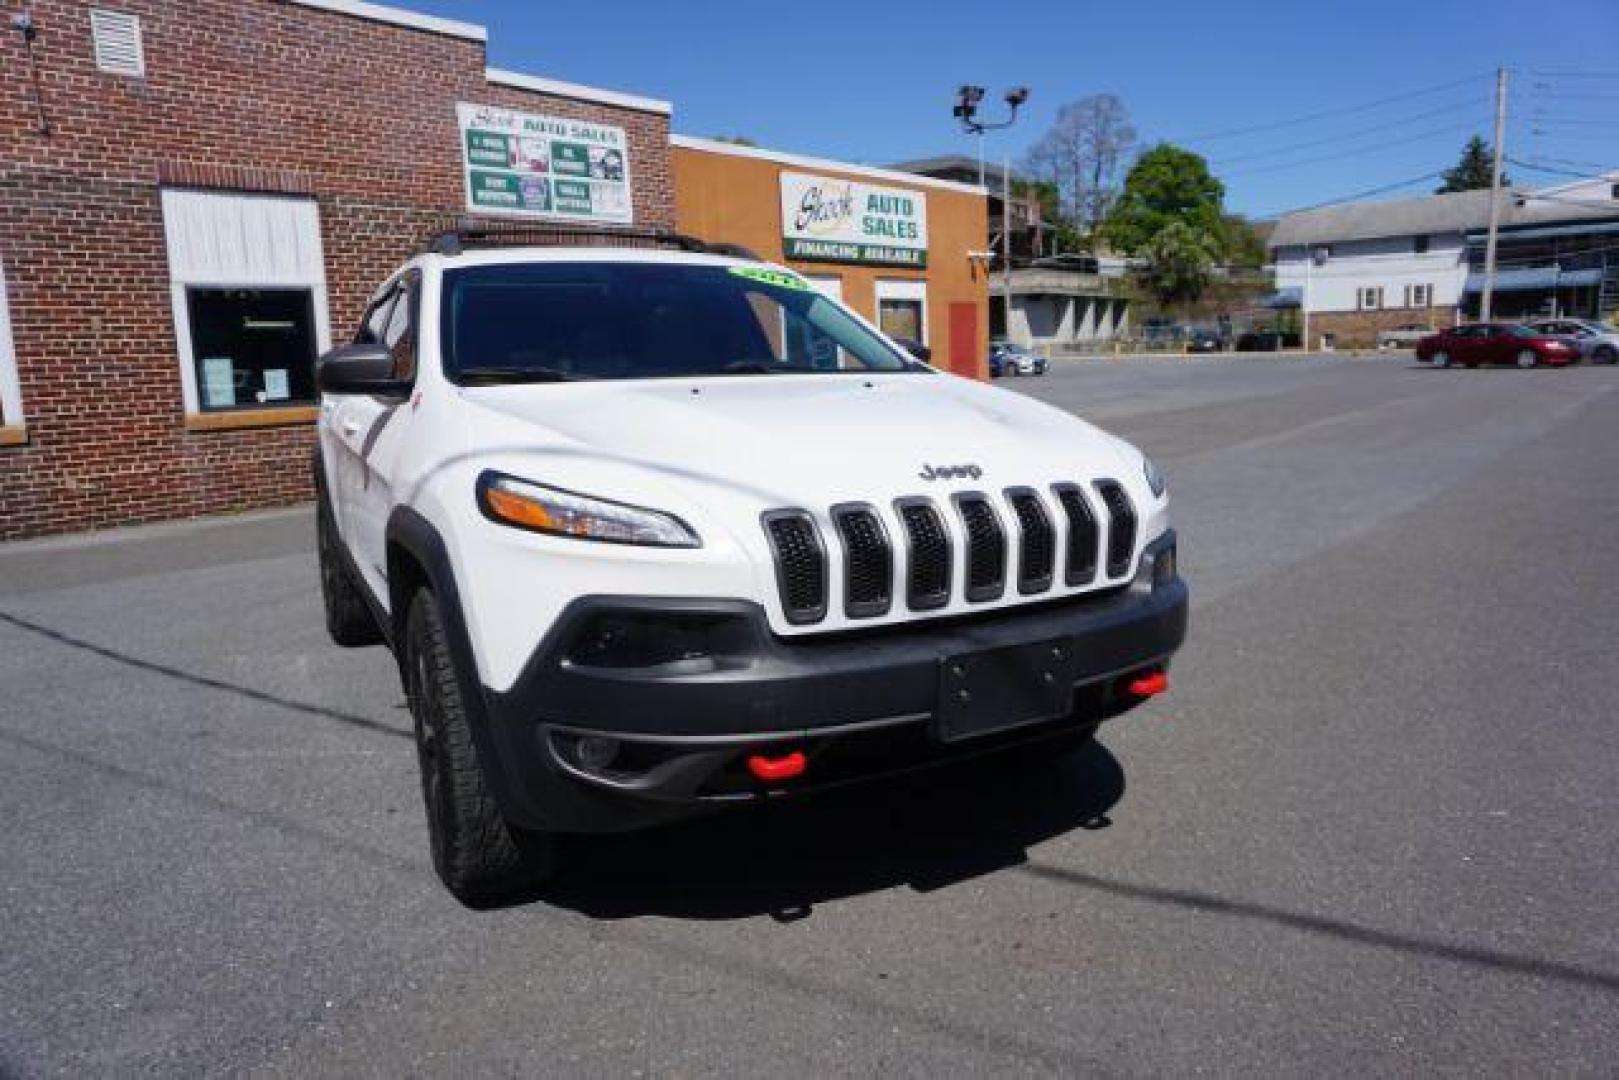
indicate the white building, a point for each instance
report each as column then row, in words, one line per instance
column 1360, row 268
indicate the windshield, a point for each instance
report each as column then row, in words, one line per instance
column 533, row 322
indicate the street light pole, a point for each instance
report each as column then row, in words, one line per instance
column 966, row 111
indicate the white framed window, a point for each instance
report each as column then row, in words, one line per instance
column 1369, row 298
column 247, row 287
column 1419, row 295
column 11, row 415
column 116, row 36
column 902, row 309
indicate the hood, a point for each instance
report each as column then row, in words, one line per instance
column 805, row 440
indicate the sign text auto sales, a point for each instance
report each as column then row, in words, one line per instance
column 829, row 220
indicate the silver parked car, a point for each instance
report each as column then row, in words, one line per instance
column 1598, row 342
column 1404, row 336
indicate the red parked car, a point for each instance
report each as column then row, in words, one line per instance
column 1473, row 344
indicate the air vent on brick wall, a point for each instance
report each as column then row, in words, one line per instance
column 117, row 37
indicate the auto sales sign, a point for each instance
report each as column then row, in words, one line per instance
column 824, row 219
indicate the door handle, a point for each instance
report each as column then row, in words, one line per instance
column 351, row 428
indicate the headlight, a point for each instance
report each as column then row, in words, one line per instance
column 1155, row 479
column 538, row 508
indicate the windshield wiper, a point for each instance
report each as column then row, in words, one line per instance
column 485, row 376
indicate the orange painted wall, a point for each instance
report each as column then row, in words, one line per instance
column 731, row 198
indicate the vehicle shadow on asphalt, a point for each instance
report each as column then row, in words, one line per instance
column 924, row 832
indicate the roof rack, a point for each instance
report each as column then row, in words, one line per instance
column 467, row 234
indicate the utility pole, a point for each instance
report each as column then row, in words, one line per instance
column 1487, row 298
column 1304, row 304
column 1006, row 244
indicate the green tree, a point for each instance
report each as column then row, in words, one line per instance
column 1473, row 170
column 1180, row 260
column 1166, row 184
column 1244, row 242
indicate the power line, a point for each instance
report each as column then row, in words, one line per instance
column 1576, row 164
column 1346, row 110
column 1368, row 193
column 1578, row 121
column 1355, row 151
column 1554, row 171
column 1340, row 136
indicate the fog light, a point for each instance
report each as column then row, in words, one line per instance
column 1163, row 566
column 595, row 752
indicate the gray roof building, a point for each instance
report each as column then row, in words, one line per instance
column 1457, row 212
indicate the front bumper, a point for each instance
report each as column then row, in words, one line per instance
column 857, row 705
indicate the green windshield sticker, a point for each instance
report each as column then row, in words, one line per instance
column 779, row 278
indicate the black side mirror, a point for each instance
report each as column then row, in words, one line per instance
column 360, row 369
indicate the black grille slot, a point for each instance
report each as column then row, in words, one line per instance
column 800, row 564
column 928, row 546
column 1083, row 537
column 986, row 547
column 1037, row 541
column 868, row 588
column 1121, row 527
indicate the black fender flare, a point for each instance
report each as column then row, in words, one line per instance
column 409, row 533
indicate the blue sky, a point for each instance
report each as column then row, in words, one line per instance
column 872, row 81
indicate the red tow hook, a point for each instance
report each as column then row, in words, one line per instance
column 771, row 769
column 1149, row 685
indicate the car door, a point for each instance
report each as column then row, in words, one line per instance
column 1501, row 346
column 381, row 423
column 340, row 426
column 369, row 428
column 1459, row 343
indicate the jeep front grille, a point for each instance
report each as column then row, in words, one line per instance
column 868, row 562
column 800, row 564
column 986, row 547
column 1121, row 527
column 1083, row 537
column 927, row 547
column 1063, row 524
column 1037, row 541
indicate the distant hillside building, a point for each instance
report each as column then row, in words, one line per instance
column 1365, row 267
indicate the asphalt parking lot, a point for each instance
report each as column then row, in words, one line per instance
column 1373, row 829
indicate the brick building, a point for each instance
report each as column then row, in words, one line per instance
column 904, row 251
column 196, row 198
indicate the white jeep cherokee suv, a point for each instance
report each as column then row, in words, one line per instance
column 652, row 529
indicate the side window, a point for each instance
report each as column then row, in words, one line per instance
column 399, row 333
column 375, row 319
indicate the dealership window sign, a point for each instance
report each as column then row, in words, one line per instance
column 829, row 220
column 544, row 166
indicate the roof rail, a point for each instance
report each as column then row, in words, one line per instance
column 467, row 234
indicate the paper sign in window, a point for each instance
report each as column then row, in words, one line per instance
column 276, row 387
column 218, row 382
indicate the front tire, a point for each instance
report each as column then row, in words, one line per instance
column 1605, row 354
column 1528, row 358
column 481, row 859
column 348, row 617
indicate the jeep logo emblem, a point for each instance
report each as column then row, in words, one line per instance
column 950, row 472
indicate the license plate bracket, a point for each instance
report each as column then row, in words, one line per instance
column 993, row 690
